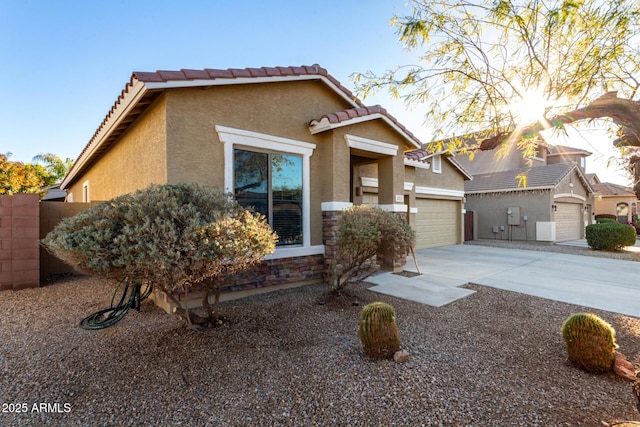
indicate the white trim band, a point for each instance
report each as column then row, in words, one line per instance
column 439, row 191
column 569, row 195
column 371, row 145
column 335, row 206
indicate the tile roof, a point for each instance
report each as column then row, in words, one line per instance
column 422, row 156
column 539, row 177
column 351, row 115
column 609, row 189
column 144, row 87
column 563, row 150
column 209, row 74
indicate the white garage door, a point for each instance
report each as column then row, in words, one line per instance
column 569, row 221
column 437, row 223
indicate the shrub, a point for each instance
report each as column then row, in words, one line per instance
column 363, row 233
column 605, row 221
column 172, row 237
column 607, row 216
column 591, row 342
column 378, row 330
column 610, row 236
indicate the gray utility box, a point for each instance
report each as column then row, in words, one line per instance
column 513, row 216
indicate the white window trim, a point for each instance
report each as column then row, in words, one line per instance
column 436, row 164
column 238, row 138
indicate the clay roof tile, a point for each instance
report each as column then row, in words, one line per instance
column 195, row 74
column 171, row 75
column 219, row 74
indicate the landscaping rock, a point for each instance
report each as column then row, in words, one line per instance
column 623, row 368
column 401, row 356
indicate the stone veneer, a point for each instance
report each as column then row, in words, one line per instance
column 268, row 275
column 330, row 238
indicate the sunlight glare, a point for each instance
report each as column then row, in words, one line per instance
column 530, row 108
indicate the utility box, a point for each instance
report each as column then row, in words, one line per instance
column 513, row 216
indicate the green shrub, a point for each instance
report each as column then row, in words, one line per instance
column 363, row 233
column 591, row 342
column 378, row 330
column 172, row 237
column 605, row 221
column 610, row 236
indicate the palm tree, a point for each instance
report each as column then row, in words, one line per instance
column 55, row 166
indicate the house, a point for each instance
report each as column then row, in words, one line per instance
column 546, row 198
column 614, row 199
column 290, row 141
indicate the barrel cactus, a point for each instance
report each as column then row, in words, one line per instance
column 378, row 330
column 591, row 342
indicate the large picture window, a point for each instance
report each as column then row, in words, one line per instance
column 271, row 183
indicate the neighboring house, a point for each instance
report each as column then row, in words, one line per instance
column 290, row 141
column 547, row 199
column 614, row 199
column 53, row 193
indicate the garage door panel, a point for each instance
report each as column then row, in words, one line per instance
column 569, row 221
column 437, row 223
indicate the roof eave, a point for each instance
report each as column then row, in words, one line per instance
column 318, row 126
column 511, row 189
column 129, row 100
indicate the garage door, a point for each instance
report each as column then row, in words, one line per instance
column 437, row 223
column 569, row 221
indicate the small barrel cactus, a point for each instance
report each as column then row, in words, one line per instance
column 591, row 342
column 378, row 330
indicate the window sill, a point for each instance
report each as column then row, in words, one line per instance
column 296, row 252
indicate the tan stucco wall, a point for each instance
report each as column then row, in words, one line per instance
column 450, row 178
column 195, row 153
column 390, row 168
column 608, row 205
column 137, row 160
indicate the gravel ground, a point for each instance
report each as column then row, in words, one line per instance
column 495, row 358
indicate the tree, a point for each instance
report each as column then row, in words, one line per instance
column 175, row 238
column 503, row 70
column 56, row 167
column 17, row 177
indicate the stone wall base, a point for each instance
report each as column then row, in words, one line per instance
column 270, row 275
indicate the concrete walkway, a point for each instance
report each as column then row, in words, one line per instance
column 602, row 283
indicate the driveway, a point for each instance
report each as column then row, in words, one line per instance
column 606, row 284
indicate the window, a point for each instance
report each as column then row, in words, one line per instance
column 85, row 192
column 263, row 149
column 622, row 210
column 583, row 163
column 436, row 164
column 271, row 183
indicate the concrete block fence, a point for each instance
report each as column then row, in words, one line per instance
column 19, row 247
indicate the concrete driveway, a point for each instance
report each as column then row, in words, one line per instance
column 606, row 284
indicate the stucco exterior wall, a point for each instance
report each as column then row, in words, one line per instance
column 570, row 187
column 195, row 153
column 137, row 160
column 490, row 211
column 608, row 205
column 450, row 178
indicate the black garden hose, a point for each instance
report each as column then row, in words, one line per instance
column 110, row 316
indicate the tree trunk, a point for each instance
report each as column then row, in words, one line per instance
column 623, row 112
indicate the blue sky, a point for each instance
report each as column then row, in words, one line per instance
column 65, row 63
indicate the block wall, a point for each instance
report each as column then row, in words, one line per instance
column 19, row 247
